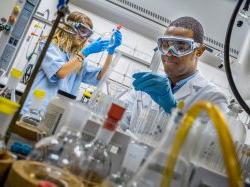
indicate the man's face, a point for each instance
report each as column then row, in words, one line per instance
column 179, row 66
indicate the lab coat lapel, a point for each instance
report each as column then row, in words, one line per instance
column 184, row 91
column 191, row 87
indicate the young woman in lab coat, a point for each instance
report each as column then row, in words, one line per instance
column 180, row 47
column 65, row 65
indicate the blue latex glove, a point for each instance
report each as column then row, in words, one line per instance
column 95, row 47
column 158, row 87
column 117, row 42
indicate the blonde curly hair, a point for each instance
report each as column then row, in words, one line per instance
column 65, row 40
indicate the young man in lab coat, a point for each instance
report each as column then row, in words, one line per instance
column 180, row 47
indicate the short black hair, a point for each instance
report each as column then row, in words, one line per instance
column 191, row 24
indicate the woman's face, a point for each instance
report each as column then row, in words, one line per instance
column 78, row 40
column 83, row 34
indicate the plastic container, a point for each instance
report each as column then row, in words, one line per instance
column 56, row 112
column 9, row 91
column 133, row 158
column 35, row 114
column 7, row 110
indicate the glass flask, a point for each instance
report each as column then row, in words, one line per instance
column 36, row 111
column 9, row 91
column 28, row 173
column 110, row 35
column 133, row 158
column 96, row 163
column 64, row 149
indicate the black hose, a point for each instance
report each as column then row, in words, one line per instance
column 227, row 59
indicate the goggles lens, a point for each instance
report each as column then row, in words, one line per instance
column 83, row 30
column 176, row 46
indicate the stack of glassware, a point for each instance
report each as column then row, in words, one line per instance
column 102, row 100
column 148, row 122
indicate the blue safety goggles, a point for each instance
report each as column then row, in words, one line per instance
column 176, row 46
column 83, row 30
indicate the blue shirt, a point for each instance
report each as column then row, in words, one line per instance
column 181, row 83
column 47, row 80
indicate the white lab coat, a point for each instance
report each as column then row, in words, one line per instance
column 196, row 89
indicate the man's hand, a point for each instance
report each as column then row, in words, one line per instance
column 158, row 87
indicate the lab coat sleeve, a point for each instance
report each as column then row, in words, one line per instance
column 90, row 74
column 52, row 62
column 210, row 93
column 219, row 99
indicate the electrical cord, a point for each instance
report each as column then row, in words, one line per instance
column 227, row 59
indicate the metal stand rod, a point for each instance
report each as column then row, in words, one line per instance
column 60, row 14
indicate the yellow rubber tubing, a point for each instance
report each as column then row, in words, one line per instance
column 227, row 146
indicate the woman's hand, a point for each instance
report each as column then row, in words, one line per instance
column 117, row 42
column 73, row 65
column 95, row 47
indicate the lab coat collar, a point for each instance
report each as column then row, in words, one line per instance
column 193, row 85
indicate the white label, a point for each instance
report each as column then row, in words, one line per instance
column 134, row 156
column 52, row 118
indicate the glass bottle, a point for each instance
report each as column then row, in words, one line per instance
column 64, row 149
column 96, row 164
column 35, row 114
column 133, row 158
column 110, row 35
column 9, row 91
